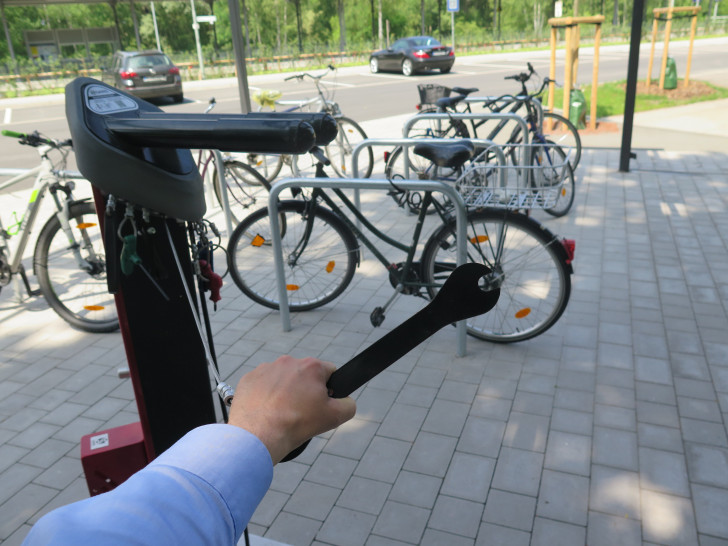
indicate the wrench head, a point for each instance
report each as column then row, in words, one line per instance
column 461, row 297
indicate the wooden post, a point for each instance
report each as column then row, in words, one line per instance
column 595, row 79
column 552, row 75
column 668, row 28
column 693, row 23
column 569, row 64
column 652, row 50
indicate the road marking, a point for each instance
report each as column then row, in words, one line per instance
column 8, row 115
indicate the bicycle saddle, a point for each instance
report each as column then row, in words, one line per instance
column 446, row 154
column 464, row 90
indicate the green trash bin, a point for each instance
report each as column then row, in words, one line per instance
column 670, row 74
column 577, row 109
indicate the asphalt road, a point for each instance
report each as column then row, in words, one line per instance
column 364, row 96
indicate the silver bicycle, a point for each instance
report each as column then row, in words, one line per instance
column 69, row 260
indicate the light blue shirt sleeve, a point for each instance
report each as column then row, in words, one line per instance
column 202, row 490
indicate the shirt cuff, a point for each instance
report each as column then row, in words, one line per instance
column 232, row 460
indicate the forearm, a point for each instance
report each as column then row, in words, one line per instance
column 203, row 490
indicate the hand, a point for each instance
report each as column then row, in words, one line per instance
column 286, row 402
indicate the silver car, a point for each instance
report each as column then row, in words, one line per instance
column 145, row 74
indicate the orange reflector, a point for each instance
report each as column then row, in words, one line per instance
column 85, row 225
column 330, row 266
column 563, row 191
column 257, row 241
column 479, row 239
column 292, row 287
column 94, row 307
column 523, row 313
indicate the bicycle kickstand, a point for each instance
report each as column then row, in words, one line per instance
column 377, row 316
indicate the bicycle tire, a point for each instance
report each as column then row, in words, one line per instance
column 551, row 173
column 246, row 188
column 78, row 296
column 563, row 133
column 339, row 151
column 319, row 276
column 531, row 269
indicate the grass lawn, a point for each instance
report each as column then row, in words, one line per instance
column 610, row 96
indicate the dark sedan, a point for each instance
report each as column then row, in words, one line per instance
column 409, row 55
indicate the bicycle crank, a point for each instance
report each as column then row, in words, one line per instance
column 459, row 298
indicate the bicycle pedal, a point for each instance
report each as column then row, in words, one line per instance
column 377, row 316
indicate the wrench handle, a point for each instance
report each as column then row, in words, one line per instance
column 384, row 352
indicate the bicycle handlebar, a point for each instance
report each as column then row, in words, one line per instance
column 34, row 139
column 302, row 75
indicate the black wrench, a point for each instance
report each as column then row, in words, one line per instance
column 458, row 299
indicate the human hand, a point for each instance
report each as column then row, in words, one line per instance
column 286, row 402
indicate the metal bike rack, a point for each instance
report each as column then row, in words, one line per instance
column 507, row 100
column 365, row 184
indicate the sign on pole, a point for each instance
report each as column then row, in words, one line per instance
column 453, row 5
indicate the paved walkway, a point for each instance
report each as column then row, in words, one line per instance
column 608, row 429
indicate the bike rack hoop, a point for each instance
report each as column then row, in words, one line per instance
column 359, row 184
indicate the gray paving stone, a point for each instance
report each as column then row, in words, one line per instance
column 268, row 509
column 694, row 388
column 481, row 437
column 547, row 532
column 510, row 509
column 657, row 414
column 489, row 407
column 568, row 452
column 707, row 464
column 292, row 529
column 383, row 459
column 617, row 448
column 573, row 399
column 577, row 422
column 654, row 392
column 402, row 422
column 416, row 489
column 695, row 408
column 497, row 535
column 704, row 432
column 24, row 503
column 653, row 370
column 615, row 417
column 312, row 500
column 563, row 497
column 331, row 470
column 373, row 403
column 446, row 417
column 352, row 438
column 346, row 527
column 286, row 477
column 60, row 474
column 402, row 522
column 664, row 472
column 368, row 496
column 526, row 431
column 711, row 505
column 415, row 395
column 456, row 515
column 657, row 437
column 535, row 403
column 667, row 519
column 9, row 455
column 611, row 395
column 606, row 530
column 431, row 454
column 518, row 471
column 434, row 537
column 616, row 492
column 468, row 477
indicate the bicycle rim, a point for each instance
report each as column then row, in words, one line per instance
column 564, row 134
column 78, row 295
column 247, row 189
column 554, row 170
column 318, row 275
column 526, row 262
column 340, row 150
column 267, row 165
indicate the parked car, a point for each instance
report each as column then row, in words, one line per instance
column 144, row 74
column 409, row 55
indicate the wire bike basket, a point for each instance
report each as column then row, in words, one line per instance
column 513, row 185
column 430, row 93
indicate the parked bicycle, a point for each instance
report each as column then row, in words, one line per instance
column 69, row 259
column 338, row 150
column 545, row 152
column 321, row 251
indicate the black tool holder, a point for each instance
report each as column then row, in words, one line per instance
column 132, row 150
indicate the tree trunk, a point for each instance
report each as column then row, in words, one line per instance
column 342, row 25
column 422, row 17
column 248, row 53
column 299, row 25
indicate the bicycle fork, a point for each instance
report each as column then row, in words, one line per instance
column 63, row 215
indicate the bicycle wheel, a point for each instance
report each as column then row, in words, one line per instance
column 562, row 132
column 267, row 165
column 528, row 264
column 318, row 266
column 436, row 128
column 246, row 188
column 78, row 293
column 339, row 151
column 553, row 169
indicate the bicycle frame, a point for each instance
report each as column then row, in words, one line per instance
column 47, row 179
